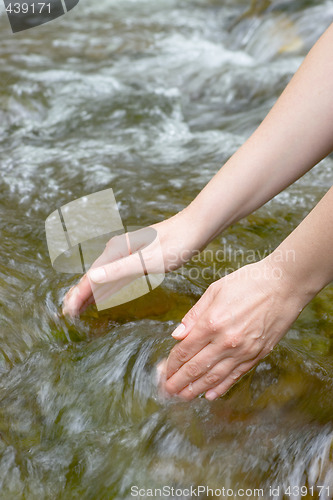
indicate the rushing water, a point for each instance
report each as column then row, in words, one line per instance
column 150, row 98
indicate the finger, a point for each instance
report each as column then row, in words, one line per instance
column 119, row 274
column 77, row 297
column 92, row 288
column 197, row 368
column 201, row 334
column 86, row 304
column 222, row 376
column 190, row 319
column 116, row 248
column 104, row 292
column 230, row 380
column 186, row 350
column 122, row 268
column 209, row 380
column 130, row 254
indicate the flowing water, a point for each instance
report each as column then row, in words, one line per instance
column 149, row 98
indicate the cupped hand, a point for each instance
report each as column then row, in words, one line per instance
column 160, row 248
column 237, row 322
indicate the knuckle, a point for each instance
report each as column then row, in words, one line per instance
column 170, row 387
column 231, row 340
column 228, row 342
column 180, row 353
column 192, row 315
column 116, row 267
column 254, row 349
column 115, row 240
column 212, row 378
column 237, row 374
column 193, row 370
column 256, row 353
column 213, row 288
column 265, row 352
column 217, row 322
column 212, row 324
column 149, row 258
column 150, row 263
column 110, row 242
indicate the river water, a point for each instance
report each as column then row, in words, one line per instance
column 149, row 98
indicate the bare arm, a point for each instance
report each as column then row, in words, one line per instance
column 295, row 135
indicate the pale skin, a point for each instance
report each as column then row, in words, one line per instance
column 241, row 317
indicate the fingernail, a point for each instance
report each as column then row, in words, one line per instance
column 211, row 395
column 178, row 333
column 98, row 275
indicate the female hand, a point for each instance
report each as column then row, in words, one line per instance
column 163, row 247
column 237, row 322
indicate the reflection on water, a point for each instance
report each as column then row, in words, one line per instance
column 148, row 98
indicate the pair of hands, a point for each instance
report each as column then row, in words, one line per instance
column 237, row 321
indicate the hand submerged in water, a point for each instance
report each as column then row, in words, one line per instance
column 237, row 322
column 118, row 267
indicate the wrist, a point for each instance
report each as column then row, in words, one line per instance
column 292, row 278
column 204, row 221
column 179, row 239
column 189, row 228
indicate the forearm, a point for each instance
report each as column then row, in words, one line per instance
column 295, row 135
column 305, row 258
